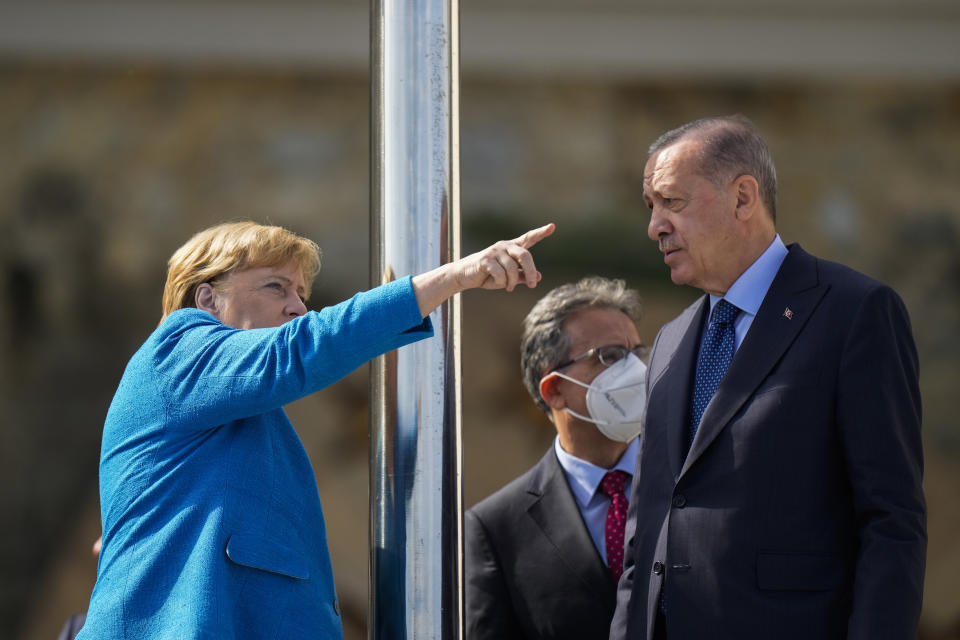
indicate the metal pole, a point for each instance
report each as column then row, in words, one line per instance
column 416, row 586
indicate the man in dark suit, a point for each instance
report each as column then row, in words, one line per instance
column 793, row 507
column 543, row 554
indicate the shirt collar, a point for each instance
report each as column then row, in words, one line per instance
column 749, row 290
column 584, row 477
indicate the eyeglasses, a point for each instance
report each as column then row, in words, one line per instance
column 607, row 355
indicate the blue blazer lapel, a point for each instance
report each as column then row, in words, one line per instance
column 556, row 513
column 789, row 304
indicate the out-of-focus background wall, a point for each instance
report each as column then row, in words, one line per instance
column 128, row 125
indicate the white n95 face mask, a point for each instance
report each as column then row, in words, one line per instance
column 616, row 398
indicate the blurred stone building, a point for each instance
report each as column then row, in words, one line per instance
column 127, row 126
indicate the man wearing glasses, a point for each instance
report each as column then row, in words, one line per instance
column 543, row 554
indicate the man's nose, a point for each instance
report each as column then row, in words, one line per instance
column 658, row 225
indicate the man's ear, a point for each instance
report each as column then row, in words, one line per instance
column 205, row 298
column 550, row 392
column 748, row 196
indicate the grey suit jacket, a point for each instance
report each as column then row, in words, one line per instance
column 532, row 570
column 798, row 511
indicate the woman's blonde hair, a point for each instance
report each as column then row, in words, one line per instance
column 225, row 248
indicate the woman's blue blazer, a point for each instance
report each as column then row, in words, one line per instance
column 212, row 524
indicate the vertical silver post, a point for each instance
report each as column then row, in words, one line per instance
column 415, row 447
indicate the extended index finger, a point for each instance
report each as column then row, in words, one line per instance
column 534, row 236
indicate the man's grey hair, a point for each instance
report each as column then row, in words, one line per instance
column 545, row 343
column 732, row 147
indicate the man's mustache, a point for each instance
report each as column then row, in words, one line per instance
column 667, row 244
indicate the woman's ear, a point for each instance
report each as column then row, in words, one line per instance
column 550, row 392
column 205, row 298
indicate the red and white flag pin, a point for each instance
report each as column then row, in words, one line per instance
column 788, row 313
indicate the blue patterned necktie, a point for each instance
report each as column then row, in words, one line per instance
column 715, row 356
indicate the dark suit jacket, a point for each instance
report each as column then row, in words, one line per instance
column 532, row 570
column 798, row 511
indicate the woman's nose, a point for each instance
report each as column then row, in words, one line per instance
column 297, row 307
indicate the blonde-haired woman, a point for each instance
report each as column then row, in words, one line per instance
column 212, row 526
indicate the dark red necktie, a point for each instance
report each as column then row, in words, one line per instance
column 612, row 485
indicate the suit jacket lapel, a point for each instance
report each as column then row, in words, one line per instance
column 788, row 305
column 677, row 381
column 555, row 512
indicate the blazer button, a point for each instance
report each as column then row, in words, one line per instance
column 658, row 568
column 679, row 501
column 336, row 607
